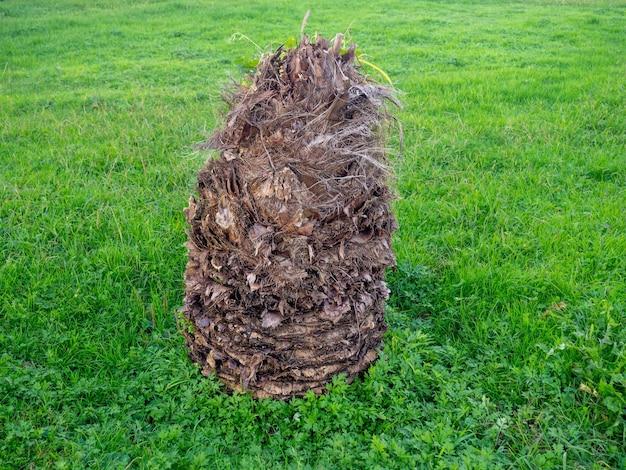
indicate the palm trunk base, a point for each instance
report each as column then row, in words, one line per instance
column 291, row 231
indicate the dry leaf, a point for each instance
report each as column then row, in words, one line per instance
column 583, row 387
column 558, row 307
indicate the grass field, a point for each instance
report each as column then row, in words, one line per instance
column 507, row 336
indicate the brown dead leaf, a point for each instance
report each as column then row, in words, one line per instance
column 583, row 387
column 271, row 320
column 556, row 308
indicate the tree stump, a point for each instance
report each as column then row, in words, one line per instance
column 291, row 231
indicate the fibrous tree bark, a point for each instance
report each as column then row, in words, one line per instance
column 290, row 232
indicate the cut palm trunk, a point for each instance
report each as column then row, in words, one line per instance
column 291, row 230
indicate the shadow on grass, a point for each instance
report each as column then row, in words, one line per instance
column 413, row 289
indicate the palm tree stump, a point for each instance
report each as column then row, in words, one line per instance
column 291, row 231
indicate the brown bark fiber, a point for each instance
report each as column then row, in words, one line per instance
column 291, row 230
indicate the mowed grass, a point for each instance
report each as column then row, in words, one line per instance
column 507, row 336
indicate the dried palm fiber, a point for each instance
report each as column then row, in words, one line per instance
column 291, row 230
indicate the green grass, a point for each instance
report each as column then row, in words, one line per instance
column 507, row 336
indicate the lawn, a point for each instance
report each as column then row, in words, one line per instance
column 507, row 339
